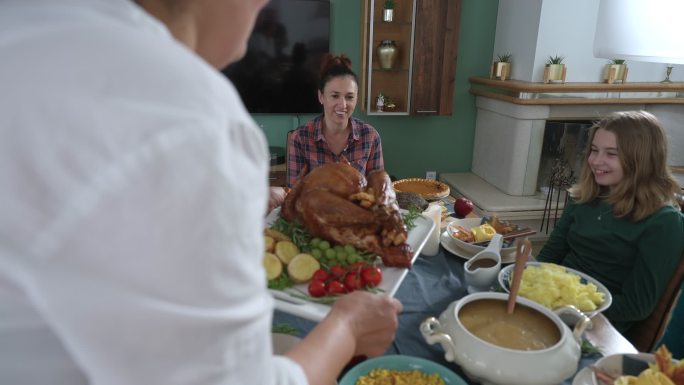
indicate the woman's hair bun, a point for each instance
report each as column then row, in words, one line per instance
column 334, row 66
column 331, row 61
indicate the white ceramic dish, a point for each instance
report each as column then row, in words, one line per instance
column 612, row 365
column 506, row 273
column 487, row 363
column 451, row 246
column 391, row 276
column 469, row 223
column 583, row 377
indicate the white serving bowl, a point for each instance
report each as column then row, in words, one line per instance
column 490, row 364
column 506, row 273
column 469, row 223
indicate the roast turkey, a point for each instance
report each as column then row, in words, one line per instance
column 337, row 203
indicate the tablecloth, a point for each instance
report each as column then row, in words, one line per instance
column 429, row 287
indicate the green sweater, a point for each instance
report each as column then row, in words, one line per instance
column 633, row 260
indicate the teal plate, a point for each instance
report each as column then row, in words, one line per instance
column 399, row 362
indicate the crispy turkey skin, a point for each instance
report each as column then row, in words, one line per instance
column 337, row 203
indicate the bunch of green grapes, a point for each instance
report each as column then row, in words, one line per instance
column 329, row 255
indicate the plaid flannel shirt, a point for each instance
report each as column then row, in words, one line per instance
column 308, row 149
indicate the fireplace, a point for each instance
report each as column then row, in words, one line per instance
column 510, row 163
column 509, row 140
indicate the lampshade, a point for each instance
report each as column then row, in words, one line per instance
column 640, row 30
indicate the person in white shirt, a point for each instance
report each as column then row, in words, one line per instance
column 133, row 185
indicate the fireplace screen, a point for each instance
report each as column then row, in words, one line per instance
column 560, row 163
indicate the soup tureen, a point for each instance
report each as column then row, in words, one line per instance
column 488, row 363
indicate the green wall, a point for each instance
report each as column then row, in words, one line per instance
column 414, row 145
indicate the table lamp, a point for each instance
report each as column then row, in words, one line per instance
column 639, row 30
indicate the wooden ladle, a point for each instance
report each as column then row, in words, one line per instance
column 522, row 253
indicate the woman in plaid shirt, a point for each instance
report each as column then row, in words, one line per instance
column 335, row 136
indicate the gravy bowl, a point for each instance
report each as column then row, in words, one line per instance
column 549, row 359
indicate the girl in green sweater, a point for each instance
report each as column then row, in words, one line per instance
column 622, row 225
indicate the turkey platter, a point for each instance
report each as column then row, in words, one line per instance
column 337, row 203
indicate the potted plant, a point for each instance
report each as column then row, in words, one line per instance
column 501, row 68
column 554, row 69
column 388, row 10
column 616, row 69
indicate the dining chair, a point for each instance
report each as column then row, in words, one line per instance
column 646, row 333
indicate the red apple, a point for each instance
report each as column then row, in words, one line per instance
column 463, row 207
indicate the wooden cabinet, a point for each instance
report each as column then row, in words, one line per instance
column 434, row 56
column 421, row 81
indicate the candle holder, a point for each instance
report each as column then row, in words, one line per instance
column 667, row 74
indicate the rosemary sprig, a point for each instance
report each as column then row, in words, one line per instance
column 295, row 230
column 410, row 217
column 328, row 299
column 589, row 348
column 284, row 329
column 281, row 283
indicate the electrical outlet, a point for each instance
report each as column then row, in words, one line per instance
column 431, row 175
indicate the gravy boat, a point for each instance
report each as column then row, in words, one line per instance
column 482, row 270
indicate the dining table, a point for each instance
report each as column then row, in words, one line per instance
column 431, row 284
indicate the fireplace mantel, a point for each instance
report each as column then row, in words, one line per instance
column 529, row 93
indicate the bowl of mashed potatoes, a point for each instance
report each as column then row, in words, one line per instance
column 554, row 285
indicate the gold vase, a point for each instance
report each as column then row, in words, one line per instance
column 553, row 72
column 613, row 72
column 387, row 54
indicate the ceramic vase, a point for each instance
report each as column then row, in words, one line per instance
column 387, row 54
column 387, row 15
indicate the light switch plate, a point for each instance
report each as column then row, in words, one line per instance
column 431, row 175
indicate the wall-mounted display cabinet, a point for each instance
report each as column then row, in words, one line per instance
column 410, row 60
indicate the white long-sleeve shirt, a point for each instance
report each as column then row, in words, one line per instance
column 132, row 188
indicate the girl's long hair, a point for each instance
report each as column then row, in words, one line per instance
column 647, row 183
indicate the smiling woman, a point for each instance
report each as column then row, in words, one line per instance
column 335, row 136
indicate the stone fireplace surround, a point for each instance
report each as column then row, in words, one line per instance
column 508, row 142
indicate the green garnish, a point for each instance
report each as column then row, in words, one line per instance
column 328, row 299
column 284, row 329
column 280, row 283
column 410, row 217
column 295, row 230
column 589, row 348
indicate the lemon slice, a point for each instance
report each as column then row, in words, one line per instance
column 272, row 265
column 302, row 267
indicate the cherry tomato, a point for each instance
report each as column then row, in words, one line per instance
column 337, row 271
column 317, row 288
column 352, row 281
column 321, row 275
column 371, row 276
column 356, row 267
column 336, row 288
